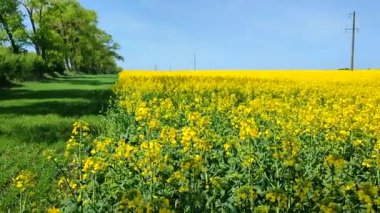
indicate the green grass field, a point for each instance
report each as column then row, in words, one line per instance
column 36, row 116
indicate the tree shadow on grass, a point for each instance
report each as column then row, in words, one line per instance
column 73, row 81
column 49, row 132
column 88, row 82
column 70, row 104
column 65, row 109
column 50, row 94
column 82, row 80
column 44, row 133
column 92, row 103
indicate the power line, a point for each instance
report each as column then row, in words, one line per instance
column 353, row 29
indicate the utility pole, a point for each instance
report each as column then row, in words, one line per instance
column 353, row 29
column 155, row 67
column 195, row 62
column 170, row 66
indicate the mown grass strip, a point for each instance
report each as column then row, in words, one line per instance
column 37, row 116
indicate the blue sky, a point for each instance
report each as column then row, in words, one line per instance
column 241, row 34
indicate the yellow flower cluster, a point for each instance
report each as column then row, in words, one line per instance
column 24, row 181
column 81, row 130
column 81, row 127
column 53, row 210
column 277, row 198
column 335, row 162
column 123, row 151
column 238, row 141
column 93, row 165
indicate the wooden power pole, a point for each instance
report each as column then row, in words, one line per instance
column 353, row 29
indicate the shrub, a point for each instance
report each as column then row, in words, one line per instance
column 24, row 66
column 31, row 66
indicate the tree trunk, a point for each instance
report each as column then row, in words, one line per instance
column 32, row 22
column 15, row 47
column 42, row 38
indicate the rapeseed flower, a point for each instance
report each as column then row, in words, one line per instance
column 205, row 141
column 24, row 180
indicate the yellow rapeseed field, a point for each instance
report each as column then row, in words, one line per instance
column 232, row 141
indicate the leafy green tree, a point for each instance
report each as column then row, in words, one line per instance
column 84, row 46
column 11, row 25
column 35, row 12
column 63, row 33
column 44, row 39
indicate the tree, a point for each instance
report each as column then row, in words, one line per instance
column 63, row 33
column 85, row 47
column 11, row 23
column 35, row 12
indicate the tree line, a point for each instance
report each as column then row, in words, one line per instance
column 53, row 35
